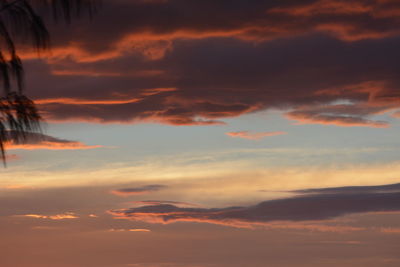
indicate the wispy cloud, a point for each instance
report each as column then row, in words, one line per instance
column 130, row 230
column 339, row 115
column 35, row 141
column 138, row 190
column 253, row 135
column 163, row 202
column 56, row 217
column 392, row 188
column 390, row 230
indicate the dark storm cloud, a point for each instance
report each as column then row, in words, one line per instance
column 254, row 20
column 204, row 81
column 322, row 204
column 197, row 62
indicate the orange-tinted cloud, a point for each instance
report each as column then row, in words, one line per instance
column 346, row 20
column 57, row 217
column 396, row 114
column 94, row 73
column 71, row 101
column 130, row 230
column 117, row 101
column 390, row 230
column 325, row 7
column 253, row 21
column 253, row 135
column 71, row 145
column 35, row 141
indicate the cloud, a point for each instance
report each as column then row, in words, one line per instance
column 252, row 135
column 138, row 190
column 252, row 21
column 392, row 188
column 344, row 121
column 390, row 230
column 218, row 87
column 57, row 217
column 163, row 202
column 316, row 205
column 346, row 115
column 350, row 242
column 130, row 230
column 40, row 141
column 45, row 228
column 300, row 57
column 347, row 20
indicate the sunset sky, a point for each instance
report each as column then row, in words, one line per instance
column 229, row 133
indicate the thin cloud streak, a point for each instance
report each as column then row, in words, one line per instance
column 253, row 135
column 125, row 192
column 163, row 202
column 57, row 217
column 35, row 141
column 390, row 230
column 130, row 230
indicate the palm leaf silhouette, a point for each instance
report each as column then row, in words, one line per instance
column 19, row 20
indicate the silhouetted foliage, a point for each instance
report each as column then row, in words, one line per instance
column 19, row 20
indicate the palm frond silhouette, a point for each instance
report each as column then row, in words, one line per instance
column 19, row 20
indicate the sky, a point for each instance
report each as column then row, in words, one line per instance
column 210, row 133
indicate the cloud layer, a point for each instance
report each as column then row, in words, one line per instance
column 320, row 61
column 315, row 205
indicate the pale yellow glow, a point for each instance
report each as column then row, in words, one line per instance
column 199, row 177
